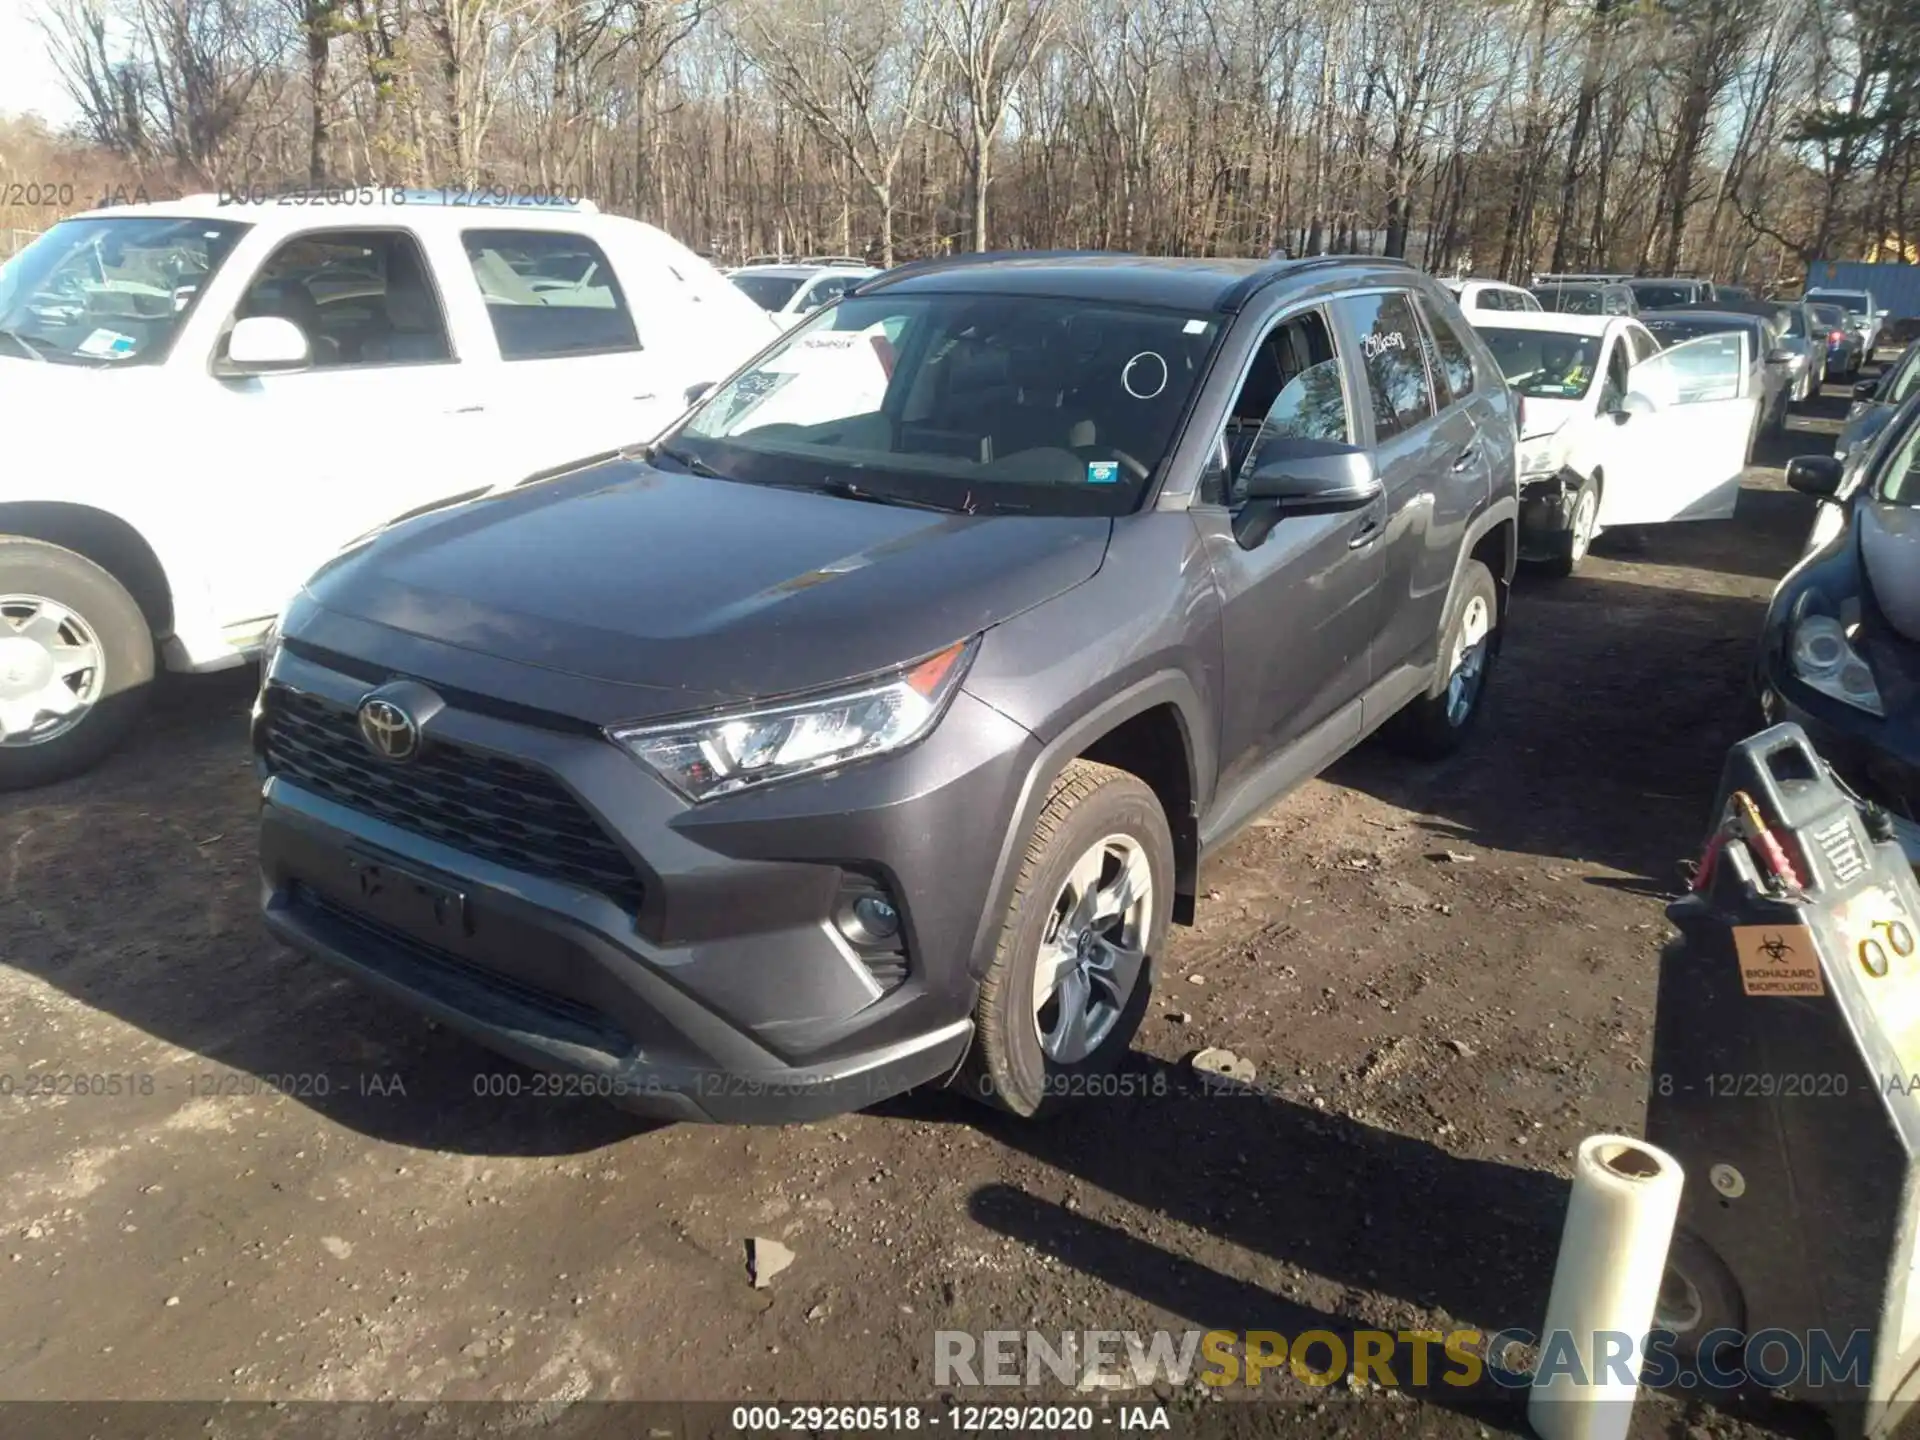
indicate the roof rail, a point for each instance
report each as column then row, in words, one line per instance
column 834, row 260
column 975, row 257
column 1280, row 264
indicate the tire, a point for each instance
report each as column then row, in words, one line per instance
column 1698, row 1295
column 1435, row 725
column 1586, row 513
column 87, row 614
column 1091, row 810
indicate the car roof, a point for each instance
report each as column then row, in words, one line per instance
column 1579, row 285
column 420, row 209
column 1222, row 284
column 1553, row 321
column 1701, row 312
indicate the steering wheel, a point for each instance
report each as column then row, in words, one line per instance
column 1126, row 462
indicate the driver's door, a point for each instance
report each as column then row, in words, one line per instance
column 1679, row 444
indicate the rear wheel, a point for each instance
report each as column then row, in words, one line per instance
column 1071, row 975
column 76, row 663
column 1438, row 722
column 1698, row 1295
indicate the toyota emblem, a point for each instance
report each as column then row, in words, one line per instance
column 390, row 732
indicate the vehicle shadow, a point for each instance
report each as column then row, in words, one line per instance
column 1294, row 1197
column 135, row 889
column 1649, row 684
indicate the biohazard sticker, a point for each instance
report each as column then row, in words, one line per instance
column 1777, row 960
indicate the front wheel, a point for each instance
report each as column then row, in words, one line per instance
column 76, row 663
column 1072, row 973
column 1580, row 532
column 1437, row 723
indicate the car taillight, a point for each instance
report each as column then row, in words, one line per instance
column 1836, row 337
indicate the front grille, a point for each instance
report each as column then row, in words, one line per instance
column 498, row 809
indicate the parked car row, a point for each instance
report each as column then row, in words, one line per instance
column 765, row 693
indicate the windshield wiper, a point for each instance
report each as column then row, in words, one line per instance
column 691, row 463
column 847, row 490
column 17, row 338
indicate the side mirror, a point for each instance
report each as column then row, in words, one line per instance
column 1304, row 477
column 1864, row 389
column 266, row 344
column 1815, row 475
column 1636, row 403
column 1780, row 357
column 696, row 391
column 1315, row 482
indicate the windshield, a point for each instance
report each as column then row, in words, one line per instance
column 1854, row 302
column 112, row 292
column 1671, row 330
column 1544, row 364
column 1657, row 294
column 1902, row 381
column 769, row 292
column 1795, row 318
column 1569, row 299
column 1830, row 317
column 1900, row 481
column 968, row 401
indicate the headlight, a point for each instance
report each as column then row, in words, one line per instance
column 718, row 754
column 1825, row 659
column 1538, row 458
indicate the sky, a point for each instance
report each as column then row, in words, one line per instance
column 28, row 81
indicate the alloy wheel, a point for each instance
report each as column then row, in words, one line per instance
column 52, row 669
column 1586, row 512
column 1471, row 638
column 1092, row 949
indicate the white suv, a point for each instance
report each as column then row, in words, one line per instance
column 204, row 399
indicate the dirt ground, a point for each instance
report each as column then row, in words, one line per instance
column 1433, row 1037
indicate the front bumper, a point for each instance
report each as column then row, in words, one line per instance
column 718, row 986
column 1546, row 515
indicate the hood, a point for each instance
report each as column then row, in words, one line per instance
column 699, row 591
column 1890, row 556
column 1546, row 417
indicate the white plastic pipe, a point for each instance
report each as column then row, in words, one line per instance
column 1613, row 1252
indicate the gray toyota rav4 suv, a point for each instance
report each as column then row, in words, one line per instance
column 870, row 726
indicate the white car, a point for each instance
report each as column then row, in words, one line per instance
column 1616, row 430
column 1495, row 295
column 204, row 399
column 790, row 293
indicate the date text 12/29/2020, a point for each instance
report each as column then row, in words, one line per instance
column 246, row 192
column 953, row 1419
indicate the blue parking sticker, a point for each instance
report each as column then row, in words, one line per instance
column 1103, row 472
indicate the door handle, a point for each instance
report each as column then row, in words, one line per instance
column 1370, row 524
column 467, row 410
column 1466, row 457
column 648, row 396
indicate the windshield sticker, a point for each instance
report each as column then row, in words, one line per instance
column 1145, row 375
column 1103, row 472
column 107, row 342
column 1194, row 327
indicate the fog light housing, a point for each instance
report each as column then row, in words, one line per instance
column 869, row 920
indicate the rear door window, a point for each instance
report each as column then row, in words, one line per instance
column 1391, row 349
column 1452, row 360
column 549, row 294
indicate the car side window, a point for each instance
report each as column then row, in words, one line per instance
column 549, row 294
column 1452, row 360
column 1294, row 390
column 824, row 292
column 1391, row 354
column 1613, row 381
column 1490, row 300
column 1645, row 347
column 361, row 297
